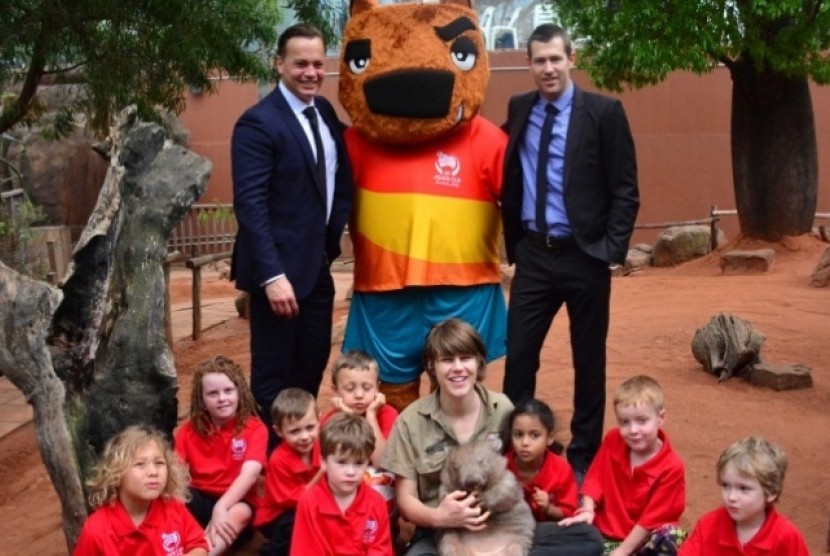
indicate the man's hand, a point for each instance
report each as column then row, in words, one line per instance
column 280, row 295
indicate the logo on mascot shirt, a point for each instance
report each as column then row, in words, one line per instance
column 172, row 543
column 447, row 168
column 238, row 448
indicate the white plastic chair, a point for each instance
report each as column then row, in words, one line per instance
column 499, row 32
column 485, row 22
column 544, row 13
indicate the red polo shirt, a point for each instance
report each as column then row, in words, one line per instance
column 386, row 418
column 168, row 529
column 555, row 477
column 286, row 478
column 215, row 460
column 322, row 529
column 715, row 535
column 651, row 495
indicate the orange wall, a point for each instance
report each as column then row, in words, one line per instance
column 681, row 132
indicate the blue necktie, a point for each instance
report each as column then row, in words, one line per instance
column 542, row 167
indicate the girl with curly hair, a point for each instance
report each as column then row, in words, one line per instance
column 138, row 490
column 224, row 445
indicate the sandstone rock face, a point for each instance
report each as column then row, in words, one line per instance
column 683, row 243
column 739, row 261
column 63, row 177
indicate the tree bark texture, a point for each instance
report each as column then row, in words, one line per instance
column 774, row 156
column 727, row 346
column 26, row 308
column 97, row 360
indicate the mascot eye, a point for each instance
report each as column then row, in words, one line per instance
column 463, row 54
column 359, row 65
column 357, row 55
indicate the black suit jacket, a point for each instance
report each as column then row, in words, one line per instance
column 600, row 181
column 279, row 203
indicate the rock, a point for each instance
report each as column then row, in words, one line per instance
column 637, row 259
column 821, row 275
column 644, row 247
column 683, row 243
column 740, row 261
column 781, row 377
column 727, row 346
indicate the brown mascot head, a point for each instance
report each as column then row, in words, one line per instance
column 412, row 72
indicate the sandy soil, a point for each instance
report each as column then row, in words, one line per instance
column 655, row 313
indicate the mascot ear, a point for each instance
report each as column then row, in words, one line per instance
column 360, row 6
column 464, row 3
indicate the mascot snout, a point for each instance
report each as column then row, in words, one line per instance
column 411, row 94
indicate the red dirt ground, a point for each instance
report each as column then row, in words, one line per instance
column 654, row 314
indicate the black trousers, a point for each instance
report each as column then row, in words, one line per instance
column 545, row 279
column 290, row 352
column 278, row 533
column 549, row 539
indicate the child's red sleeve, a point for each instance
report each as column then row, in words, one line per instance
column 668, row 499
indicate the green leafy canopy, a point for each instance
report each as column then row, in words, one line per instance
column 639, row 42
column 142, row 52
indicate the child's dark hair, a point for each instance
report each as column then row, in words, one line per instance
column 454, row 337
column 220, row 364
column 348, row 434
column 291, row 404
column 540, row 410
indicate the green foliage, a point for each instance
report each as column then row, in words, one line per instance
column 639, row 42
column 142, row 52
column 16, row 237
column 324, row 14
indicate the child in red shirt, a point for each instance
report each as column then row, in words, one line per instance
column 635, row 489
column 293, row 466
column 223, row 444
column 137, row 488
column 751, row 476
column 355, row 380
column 341, row 515
column 547, row 479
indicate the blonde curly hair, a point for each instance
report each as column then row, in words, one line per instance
column 119, row 454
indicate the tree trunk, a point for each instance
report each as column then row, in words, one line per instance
column 26, row 308
column 774, row 156
column 98, row 360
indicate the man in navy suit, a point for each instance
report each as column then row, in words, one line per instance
column 292, row 202
column 566, row 244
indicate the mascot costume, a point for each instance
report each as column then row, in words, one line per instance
column 427, row 169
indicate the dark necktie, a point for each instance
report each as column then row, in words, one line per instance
column 542, row 167
column 311, row 114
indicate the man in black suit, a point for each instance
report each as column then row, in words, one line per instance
column 565, row 246
column 292, row 192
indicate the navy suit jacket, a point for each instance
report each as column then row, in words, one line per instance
column 600, row 181
column 279, row 203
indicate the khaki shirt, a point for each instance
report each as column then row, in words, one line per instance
column 422, row 437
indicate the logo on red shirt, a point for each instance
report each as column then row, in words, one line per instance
column 447, row 168
column 238, row 448
column 172, row 543
column 370, row 531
